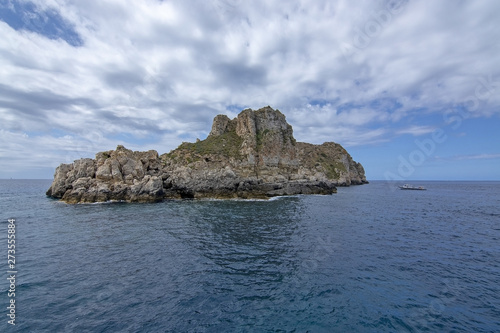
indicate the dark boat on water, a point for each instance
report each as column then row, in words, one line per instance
column 410, row 187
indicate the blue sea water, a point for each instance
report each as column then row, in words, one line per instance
column 370, row 258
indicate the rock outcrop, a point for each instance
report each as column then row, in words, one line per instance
column 252, row 156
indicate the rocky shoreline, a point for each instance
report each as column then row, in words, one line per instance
column 252, row 156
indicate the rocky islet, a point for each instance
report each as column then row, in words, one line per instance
column 251, row 156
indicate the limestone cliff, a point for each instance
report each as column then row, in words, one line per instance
column 252, row 156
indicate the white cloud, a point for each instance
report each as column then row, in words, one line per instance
column 476, row 157
column 417, row 130
column 160, row 71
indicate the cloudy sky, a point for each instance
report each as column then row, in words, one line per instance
column 410, row 88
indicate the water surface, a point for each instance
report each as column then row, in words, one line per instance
column 370, row 258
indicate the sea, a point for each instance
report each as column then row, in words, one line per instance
column 369, row 258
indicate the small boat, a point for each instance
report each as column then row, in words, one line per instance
column 410, row 187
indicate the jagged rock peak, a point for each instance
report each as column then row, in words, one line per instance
column 250, row 122
column 220, row 125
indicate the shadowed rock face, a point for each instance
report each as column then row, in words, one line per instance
column 252, row 156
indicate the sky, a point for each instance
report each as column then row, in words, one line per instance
column 410, row 88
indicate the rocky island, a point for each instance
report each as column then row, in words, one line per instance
column 252, row 156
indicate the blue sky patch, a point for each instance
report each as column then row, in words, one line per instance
column 49, row 23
